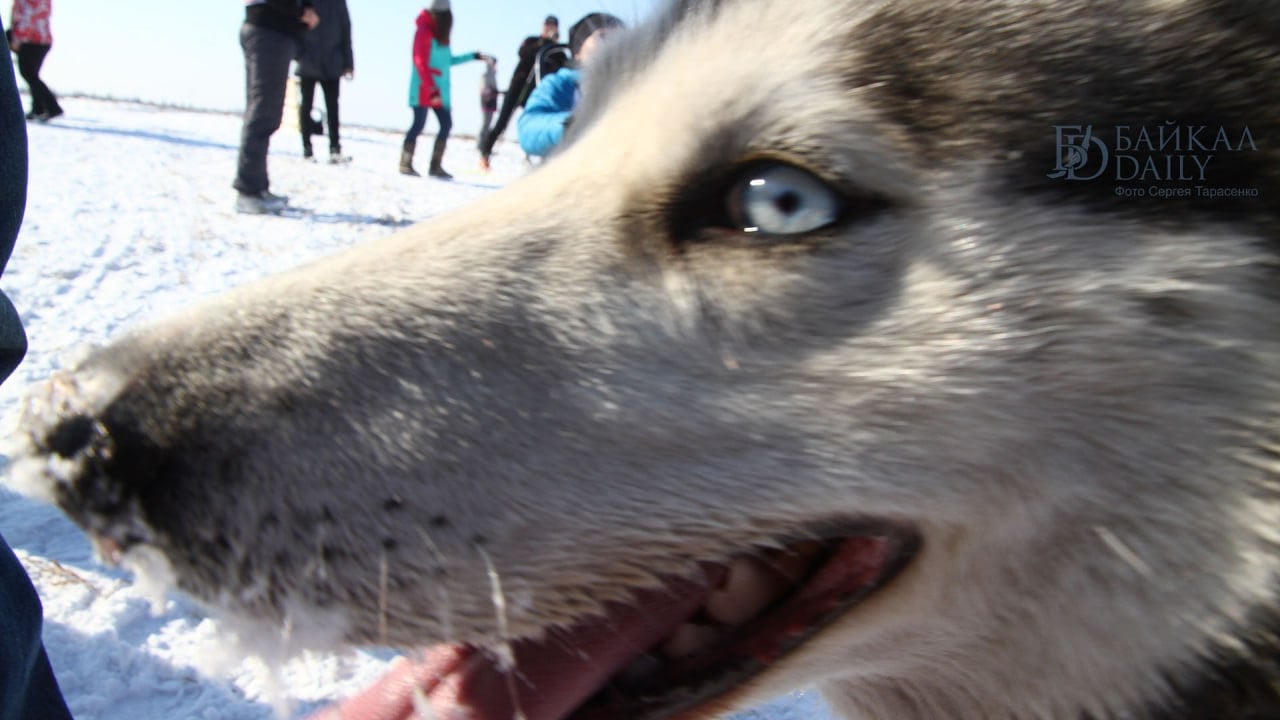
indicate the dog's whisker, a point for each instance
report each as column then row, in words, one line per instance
column 568, row 647
column 322, row 566
column 422, row 709
column 1125, row 553
column 505, row 651
column 383, row 580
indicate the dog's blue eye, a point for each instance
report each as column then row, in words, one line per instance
column 779, row 199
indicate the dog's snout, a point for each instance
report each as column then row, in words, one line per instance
column 72, row 453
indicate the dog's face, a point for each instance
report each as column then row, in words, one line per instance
column 803, row 363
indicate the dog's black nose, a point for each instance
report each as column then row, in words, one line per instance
column 70, row 436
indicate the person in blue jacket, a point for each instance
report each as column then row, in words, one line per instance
column 551, row 104
column 28, row 688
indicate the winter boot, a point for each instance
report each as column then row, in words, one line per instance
column 307, row 152
column 406, row 158
column 261, row 203
column 437, row 155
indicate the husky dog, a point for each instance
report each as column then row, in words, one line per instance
column 925, row 352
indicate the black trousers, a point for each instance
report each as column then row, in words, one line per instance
column 30, row 58
column 267, row 54
column 307, row 86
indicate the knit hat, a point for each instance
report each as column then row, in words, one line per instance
column 582, row 29
column 552, row 20
column 439, row 5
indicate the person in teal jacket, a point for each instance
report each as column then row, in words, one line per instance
column 429, row 84
column 551, row 104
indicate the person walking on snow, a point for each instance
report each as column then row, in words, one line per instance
column 31, row 38
column 429, row 84
column 325, row 57
column 269, row 39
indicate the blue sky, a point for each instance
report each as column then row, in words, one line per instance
column 188, row 51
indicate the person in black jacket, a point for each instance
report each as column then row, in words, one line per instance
column 269, row 38
column 516, row 95
column 28, row 688
column 324, row 57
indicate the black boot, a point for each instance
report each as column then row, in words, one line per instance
column 406, row 158
column 437, row 155
column 307, row 153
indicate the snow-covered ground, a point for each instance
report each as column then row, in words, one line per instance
column 129, row 215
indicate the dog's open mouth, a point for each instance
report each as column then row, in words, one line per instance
column 672, row 651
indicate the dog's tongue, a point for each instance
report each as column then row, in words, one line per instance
column 551, row 679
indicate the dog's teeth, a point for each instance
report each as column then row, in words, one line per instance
column 750, row 587
column 689, row 639
column 108, row 550
column 795, row 561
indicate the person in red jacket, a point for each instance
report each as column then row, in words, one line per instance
column 429, row 84
column 31, row 39
column 422, row 86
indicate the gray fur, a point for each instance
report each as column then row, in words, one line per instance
column 1073, row 398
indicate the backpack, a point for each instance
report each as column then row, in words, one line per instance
column 548, row 60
